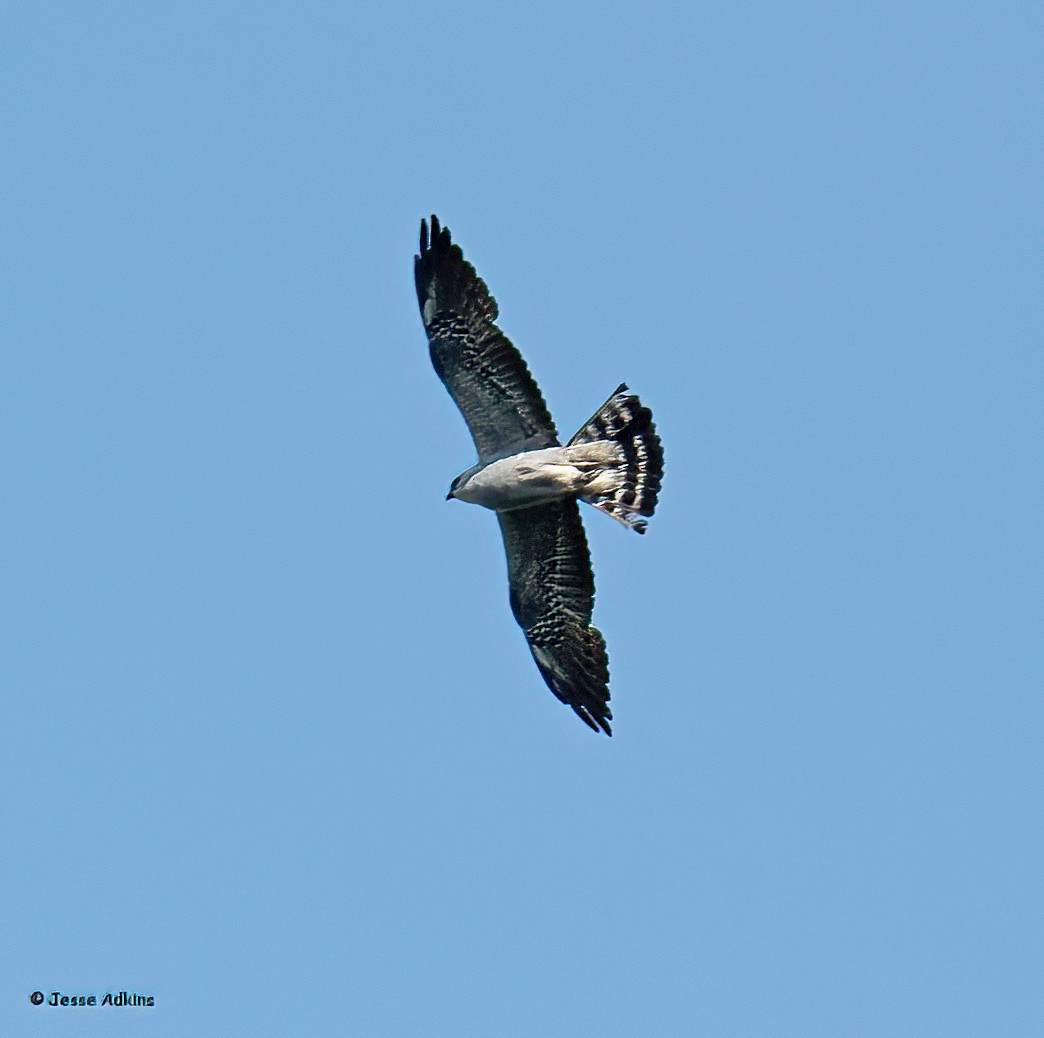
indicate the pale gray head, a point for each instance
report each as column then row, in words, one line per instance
column 461, row 480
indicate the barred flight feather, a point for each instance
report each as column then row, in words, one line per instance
column 638, row 473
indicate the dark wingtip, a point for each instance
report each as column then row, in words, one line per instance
column 596, row 723
column 437, row 230
column 439, row 236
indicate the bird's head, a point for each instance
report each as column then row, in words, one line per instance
column 458, row 482
column 459, row 488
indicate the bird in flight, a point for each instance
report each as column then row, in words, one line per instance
column 532, row 481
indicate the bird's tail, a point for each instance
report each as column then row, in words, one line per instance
column 625, row 482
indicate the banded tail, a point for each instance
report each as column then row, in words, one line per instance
column 627, row 482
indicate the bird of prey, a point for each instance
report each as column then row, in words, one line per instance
column 532, row 482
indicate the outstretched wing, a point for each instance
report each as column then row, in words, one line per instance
column 552, row 595
column 484, row 373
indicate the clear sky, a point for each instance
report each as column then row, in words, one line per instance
column 273, row 750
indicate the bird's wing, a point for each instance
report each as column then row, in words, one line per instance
column 484, row 373
column 552, row 595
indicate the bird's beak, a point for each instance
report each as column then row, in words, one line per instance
column 449, row 496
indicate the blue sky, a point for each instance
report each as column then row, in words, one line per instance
column 274, row 751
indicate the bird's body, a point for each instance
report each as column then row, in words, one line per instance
column 531, row 480
column 534, row 477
